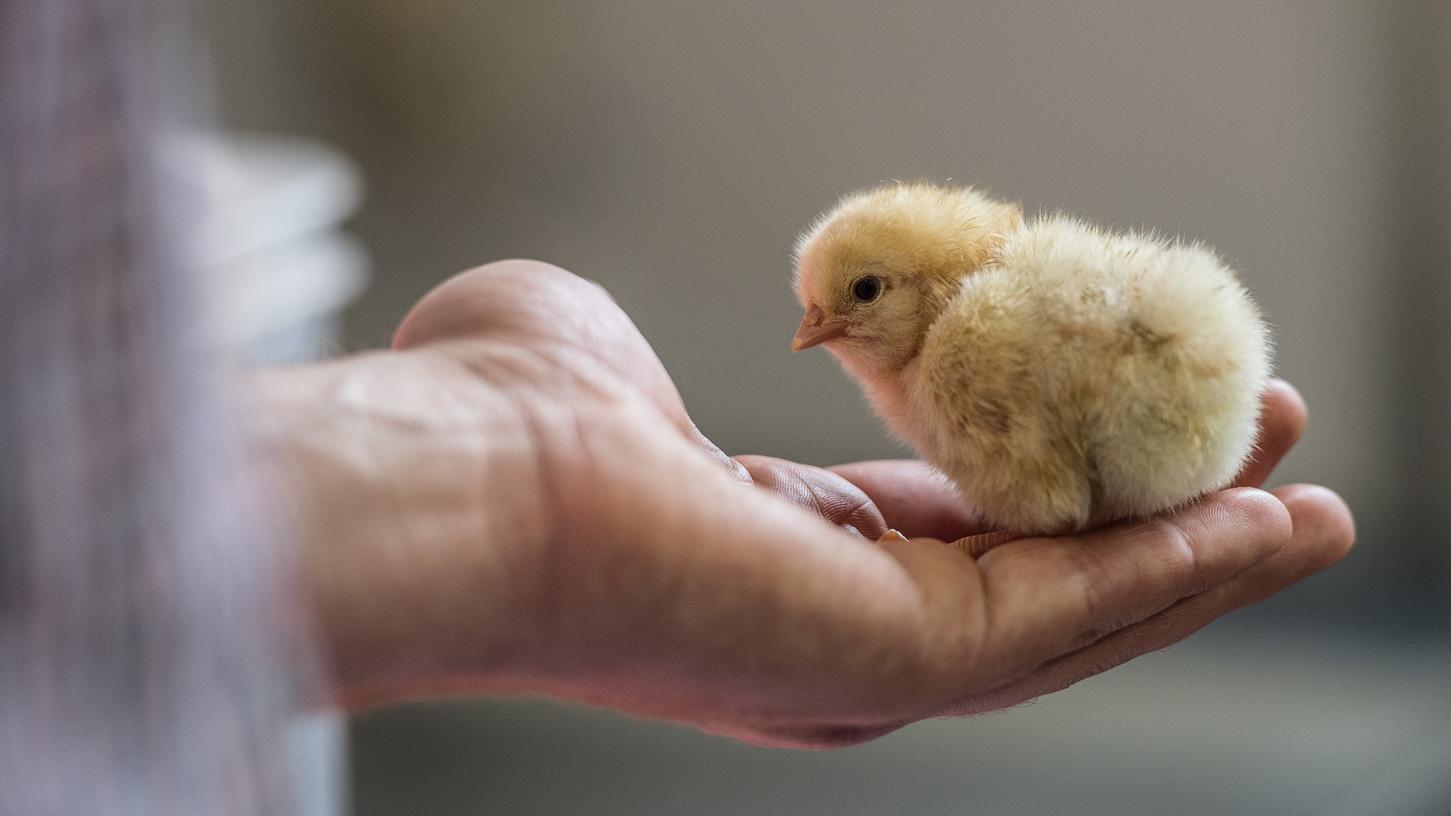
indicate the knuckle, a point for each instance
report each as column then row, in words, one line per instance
column 1178, row 554
column 1091, row 570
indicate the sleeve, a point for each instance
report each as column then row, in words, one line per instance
column 149, row 653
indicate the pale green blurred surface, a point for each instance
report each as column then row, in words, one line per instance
column 672, row 150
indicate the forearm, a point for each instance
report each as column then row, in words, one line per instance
column 413, row 490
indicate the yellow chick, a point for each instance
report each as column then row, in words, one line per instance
column 1061, row 375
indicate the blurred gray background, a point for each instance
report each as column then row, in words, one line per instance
column 672, row 151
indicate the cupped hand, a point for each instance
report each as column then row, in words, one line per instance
column 646, row 571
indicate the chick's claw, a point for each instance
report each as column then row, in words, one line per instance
column 978, row 545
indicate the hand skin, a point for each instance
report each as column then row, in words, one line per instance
column 514, row 501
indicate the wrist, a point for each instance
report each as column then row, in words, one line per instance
column 413, row 487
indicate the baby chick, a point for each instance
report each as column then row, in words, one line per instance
column 1061, row 375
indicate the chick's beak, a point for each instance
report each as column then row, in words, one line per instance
column 815, row 329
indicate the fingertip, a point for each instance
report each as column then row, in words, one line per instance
column 827, row 494
column 1320, row 518
column 1256, row 510
column 1285, row 401
column 914, row 497
column 1281, row 421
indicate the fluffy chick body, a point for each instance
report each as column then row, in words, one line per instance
column 1059, row 374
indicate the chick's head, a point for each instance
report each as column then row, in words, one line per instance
column 874, row 272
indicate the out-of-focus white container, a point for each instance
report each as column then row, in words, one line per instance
column 282, row 271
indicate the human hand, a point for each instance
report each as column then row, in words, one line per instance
column 549, row 521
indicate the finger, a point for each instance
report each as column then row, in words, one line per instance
column 1048, row 596
column 915, row 498
column 822, row 492
column 1324, row 532
column 1282, row 420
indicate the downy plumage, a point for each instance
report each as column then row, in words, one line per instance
column 1061, row 375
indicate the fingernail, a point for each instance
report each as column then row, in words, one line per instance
column 892, row 535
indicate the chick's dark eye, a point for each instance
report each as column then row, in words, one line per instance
column 866, row 289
